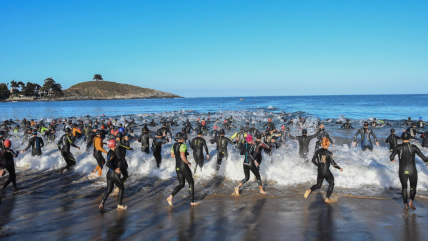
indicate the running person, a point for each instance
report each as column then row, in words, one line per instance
column 36, row 143
column 157, row 147
column 250, row 164
column 7, row 156
column 365, row 133
column 322, row 159
column 98, row 150
column 407, row 167
column 66, row 141
column 392, row 140
column 113, row 176
column 182, row 167
column 304, row 141
column 198, row 144
column 222, row 142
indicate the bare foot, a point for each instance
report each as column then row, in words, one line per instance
column 237, row 191
column 169, row 199
column 327, row 200
column 101, row 207
column 194, row 204
column 411, row 206
column 121, row 207
column 307, row 193
column 406, row 207
column 62, row 170
column 262, row 192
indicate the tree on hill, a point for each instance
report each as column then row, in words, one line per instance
column 97, row 77
column 21, row 86
column 4, row 91
column 31, row 89
column 53, row 87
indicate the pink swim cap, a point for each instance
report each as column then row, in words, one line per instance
column 215, row 127
column 283, row 127
column 249, row 138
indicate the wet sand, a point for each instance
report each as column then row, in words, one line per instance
column 54, row 207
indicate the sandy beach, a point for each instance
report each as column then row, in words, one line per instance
column 54, row 207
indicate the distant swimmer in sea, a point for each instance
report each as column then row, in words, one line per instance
column 182, row 168
column 323, row 158
column 250, row 164
column 365, row 133
column 347, row 125
column 392, row 140
column 407, row 168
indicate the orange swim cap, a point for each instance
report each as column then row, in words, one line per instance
column 325, row 142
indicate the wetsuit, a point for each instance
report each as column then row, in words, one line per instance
column 65, row 141
column 7, row 156
column 221, row 148
column 373, row 124
column 407, row 169
column 121, row 147
column 183, row 171
column 98, row 149
column 420, row 123
column 249, row 165
column 188, row 128
column 197, row 145
column 413, row 131
column 322, row 159
column 346, row 125
column 88, row 131
column 408, row 123
column 36, row 143
column 113, row 178
column 269, row 125
column 165, row 131
column 258, row 152
column 425, row 139
column 157, row 149
column 392, row 140
column 366, row 142
column 254, row 131
column 145, row 142
column 304, row 144
column 241, row 139
column 215, row 133
column 321, row 135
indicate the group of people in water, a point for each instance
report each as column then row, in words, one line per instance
column 249, row 141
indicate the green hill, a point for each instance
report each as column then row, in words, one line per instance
column 106, row 90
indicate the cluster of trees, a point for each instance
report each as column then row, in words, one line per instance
column 30, row 89
column 50, row 87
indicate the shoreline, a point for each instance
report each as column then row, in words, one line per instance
column 77, row 99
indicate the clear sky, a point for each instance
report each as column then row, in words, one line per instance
column 221, row 48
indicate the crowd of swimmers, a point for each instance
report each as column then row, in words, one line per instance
column 249, row 140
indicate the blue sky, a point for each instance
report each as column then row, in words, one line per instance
column 221, row 48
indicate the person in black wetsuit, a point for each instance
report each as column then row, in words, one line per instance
column 365, row 133
column 215, row 132
column 425, row 139
column 221, row 142
column 413, row 131
column 122, row 145
column 88, row 130
column 6, row 156
column 182, row 167
column 409, row 122
column 420, row 123
column 157, row 147
column 304, row 141
column 259, row 147
column 253, row 130
column 250, row 164
column 392, row 140
column 347, row 125
column 198, row 144
column 269, row 124
column 36, row 143
column 323, row 134
column 113, row 176
column 323, row 158
column 66, row 141
column 374, row 123
column 407, row 167
column 165, row 131
column 145, row 140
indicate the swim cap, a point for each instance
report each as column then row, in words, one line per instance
column 405, row 136
column 7, row 143
column 222, row 132
column 283, row 127
column 111, row 143
column 122, row 130
column 159, row 133
column 203, row 123
column 304, row 132
column 199, row 132
column 34, row 133
column 249, row 138
column 366, row 123
column 270, row 119
column 347, row 120
column 119, row 134
column 215, row 127
column 325, row 142
column 392, row 130
column 67, row 130
column 241, row 128
column 420, row 118
column 224, row 121
column 98, row 132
